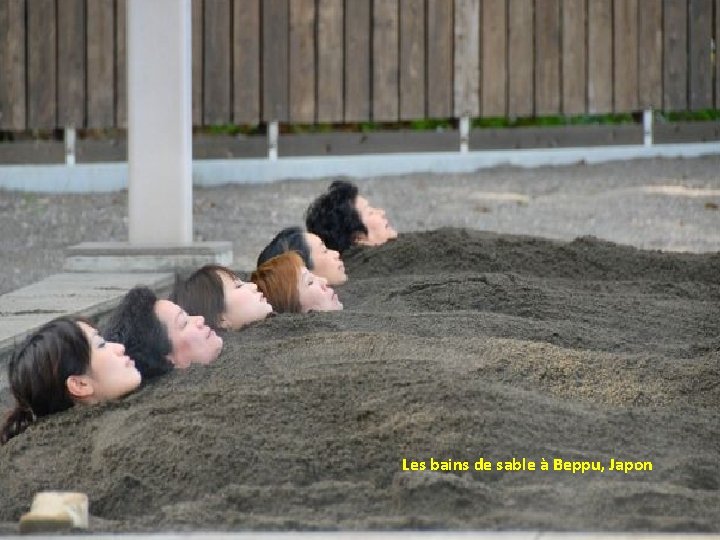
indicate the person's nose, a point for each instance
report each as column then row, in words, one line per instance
column 200, row 321
column 323, row 283
column 120, row 348
column 335, row 254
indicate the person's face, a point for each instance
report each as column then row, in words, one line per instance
column 112, row 373
column 244, row 303
column 379, row 229
column 314, row 293
column 192, row 341
column 326, row 261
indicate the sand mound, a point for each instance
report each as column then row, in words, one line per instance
column 455, row 345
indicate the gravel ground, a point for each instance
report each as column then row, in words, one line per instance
column 626, row 202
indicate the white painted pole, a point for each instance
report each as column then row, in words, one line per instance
column 273, row 134
column 159, row 94
column 69, row 146
column 648, row 127
column 464, row 134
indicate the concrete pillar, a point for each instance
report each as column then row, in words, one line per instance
column 159, row 94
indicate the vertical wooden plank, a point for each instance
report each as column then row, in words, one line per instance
column 717, row 54
column 71, row 63
column 42, row 69
column 599, row 56
column 385, row 60
column 467, row 58
column 330, row 61
column 521, row 90
column 357, row 60
column 675, row 55
column 650, row 54
column 440, row 58
column 246, row 61
column 12, row 65
column 494, row 54
column 547, row 57
column 302, row 61
column 121, row 63
column 275, row 15
column 625, row 55
column 412, row 59
column 574, row 53
column 216, row 63
column 197, row 61
column 100, row 63
column 701, row 64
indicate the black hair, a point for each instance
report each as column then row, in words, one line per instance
column 38, row 373
column 135, row 325
column 334, row 218
column 202, row 293
column 289, row 239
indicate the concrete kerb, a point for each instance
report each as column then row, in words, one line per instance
column 121, row 256
column 105, row 177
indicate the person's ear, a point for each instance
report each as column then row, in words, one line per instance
column 223, row 322
column 79, row 386
column 361, row 239
column 171, row 358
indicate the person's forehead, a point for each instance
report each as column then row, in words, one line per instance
column 361, row 201
column 166, row 309
column 227, row 279
column 314, row 240
column 88, row 330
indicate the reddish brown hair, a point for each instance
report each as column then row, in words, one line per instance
column 278, row 279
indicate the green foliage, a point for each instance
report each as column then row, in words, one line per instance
column 231, row 129
column 706, row 115
column 439, row 124
column 542, row 121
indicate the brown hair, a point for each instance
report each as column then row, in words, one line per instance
column 202, row 293
column 277, row 278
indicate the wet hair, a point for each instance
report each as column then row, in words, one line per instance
column 334, row 218
column 202, row 293
column 278, row 278
column 289, row 239
column 135, row 325
column 38, row 373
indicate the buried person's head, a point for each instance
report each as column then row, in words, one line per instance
column 292, row 288
column 323, row 262
column 65, row 362
column 342, row 218
column 160, row 335
column 221, row 298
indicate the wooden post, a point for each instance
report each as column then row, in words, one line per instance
column 159, row 122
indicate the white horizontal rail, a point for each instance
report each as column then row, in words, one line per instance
column 104, row 177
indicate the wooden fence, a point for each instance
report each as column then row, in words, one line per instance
column 62, row 62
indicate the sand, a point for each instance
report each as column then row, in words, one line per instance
column 454, row 345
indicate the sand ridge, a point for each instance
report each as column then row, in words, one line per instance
column 454, row 345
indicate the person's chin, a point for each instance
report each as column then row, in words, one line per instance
column 137, row 381
column 339, row 280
